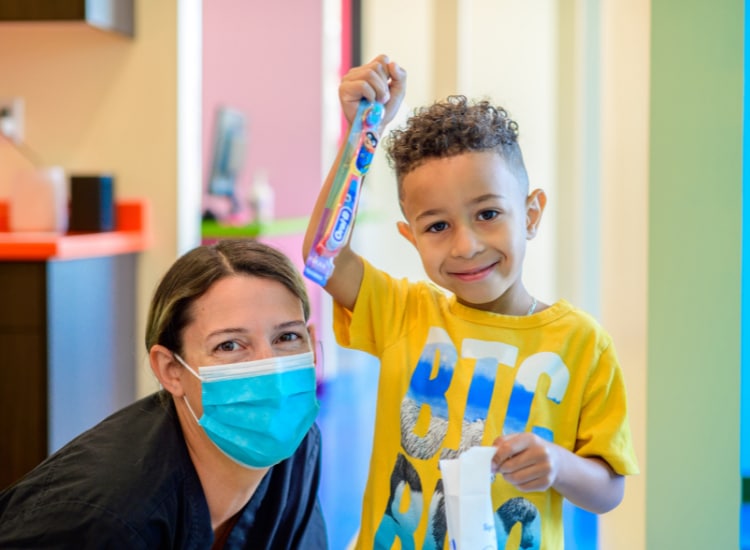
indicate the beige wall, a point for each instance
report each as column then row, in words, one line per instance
column 99, row 102
column 624, row 255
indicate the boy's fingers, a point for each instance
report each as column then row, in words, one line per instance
column 397, row 77
column 507, row 447
column 397, row 90
column 379, row 80
column 353, row 91
column 500, row 454
column 375, row 76
column 383, row 61
column 397, row 74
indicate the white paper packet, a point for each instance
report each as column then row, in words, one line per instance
column 468, row 502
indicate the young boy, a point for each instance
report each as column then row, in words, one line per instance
column 485, row 363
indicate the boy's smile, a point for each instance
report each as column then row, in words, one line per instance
column 469, row 218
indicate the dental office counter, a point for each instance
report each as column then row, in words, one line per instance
column 67, row 333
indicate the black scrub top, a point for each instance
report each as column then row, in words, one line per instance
column 129, row 483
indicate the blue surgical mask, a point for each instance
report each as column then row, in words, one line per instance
column 258, row 412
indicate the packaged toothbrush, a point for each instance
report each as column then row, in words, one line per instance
column 341, row 205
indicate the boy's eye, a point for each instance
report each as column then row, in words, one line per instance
column 437, row 227
column 486, row 215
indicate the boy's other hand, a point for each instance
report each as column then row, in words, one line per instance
column 380, row 80
column 526, row 461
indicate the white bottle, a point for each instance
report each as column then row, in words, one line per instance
column 262, row 198
column 39, row 201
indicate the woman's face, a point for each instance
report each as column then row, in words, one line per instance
column 243, row 318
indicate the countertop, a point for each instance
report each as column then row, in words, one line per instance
column 132, row 234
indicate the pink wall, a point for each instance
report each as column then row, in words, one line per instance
column 264, row 58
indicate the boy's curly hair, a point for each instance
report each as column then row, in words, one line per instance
column 452, row 127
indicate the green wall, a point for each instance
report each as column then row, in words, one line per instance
column 695, row 193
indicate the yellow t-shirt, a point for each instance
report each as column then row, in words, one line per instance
column 452, row 377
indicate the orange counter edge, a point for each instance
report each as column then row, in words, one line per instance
column 133, row 234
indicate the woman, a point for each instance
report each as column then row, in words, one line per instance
column 226, row 455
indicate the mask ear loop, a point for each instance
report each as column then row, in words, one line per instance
column 184, row 364
column 185, row 399
column 184, row 396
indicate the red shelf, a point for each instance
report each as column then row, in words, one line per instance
column 133, row 234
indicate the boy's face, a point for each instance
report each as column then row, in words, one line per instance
column 469, row 218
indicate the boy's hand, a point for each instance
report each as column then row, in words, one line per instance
column 379, row 80
column 530, row 463
column 526, row 461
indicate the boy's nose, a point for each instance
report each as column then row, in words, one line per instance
column 466, row 243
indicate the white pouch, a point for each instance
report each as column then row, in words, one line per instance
column 468, row 502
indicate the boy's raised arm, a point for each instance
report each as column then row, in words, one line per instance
column 343, row 283
column 379, row 80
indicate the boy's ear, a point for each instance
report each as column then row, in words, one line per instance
column 535, row 203
column 405, row 230
column 167, row 370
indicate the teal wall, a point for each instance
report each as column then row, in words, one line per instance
column 695, row 197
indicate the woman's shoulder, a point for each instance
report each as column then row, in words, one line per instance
column 130, row 435
column 121, row 470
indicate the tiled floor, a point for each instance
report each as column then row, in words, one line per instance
column 346, row 420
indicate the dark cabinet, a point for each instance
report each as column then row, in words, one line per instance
column 67, row 341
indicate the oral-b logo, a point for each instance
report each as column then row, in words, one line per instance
column 342, row 224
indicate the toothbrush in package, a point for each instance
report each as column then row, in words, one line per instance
column 341, row 205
